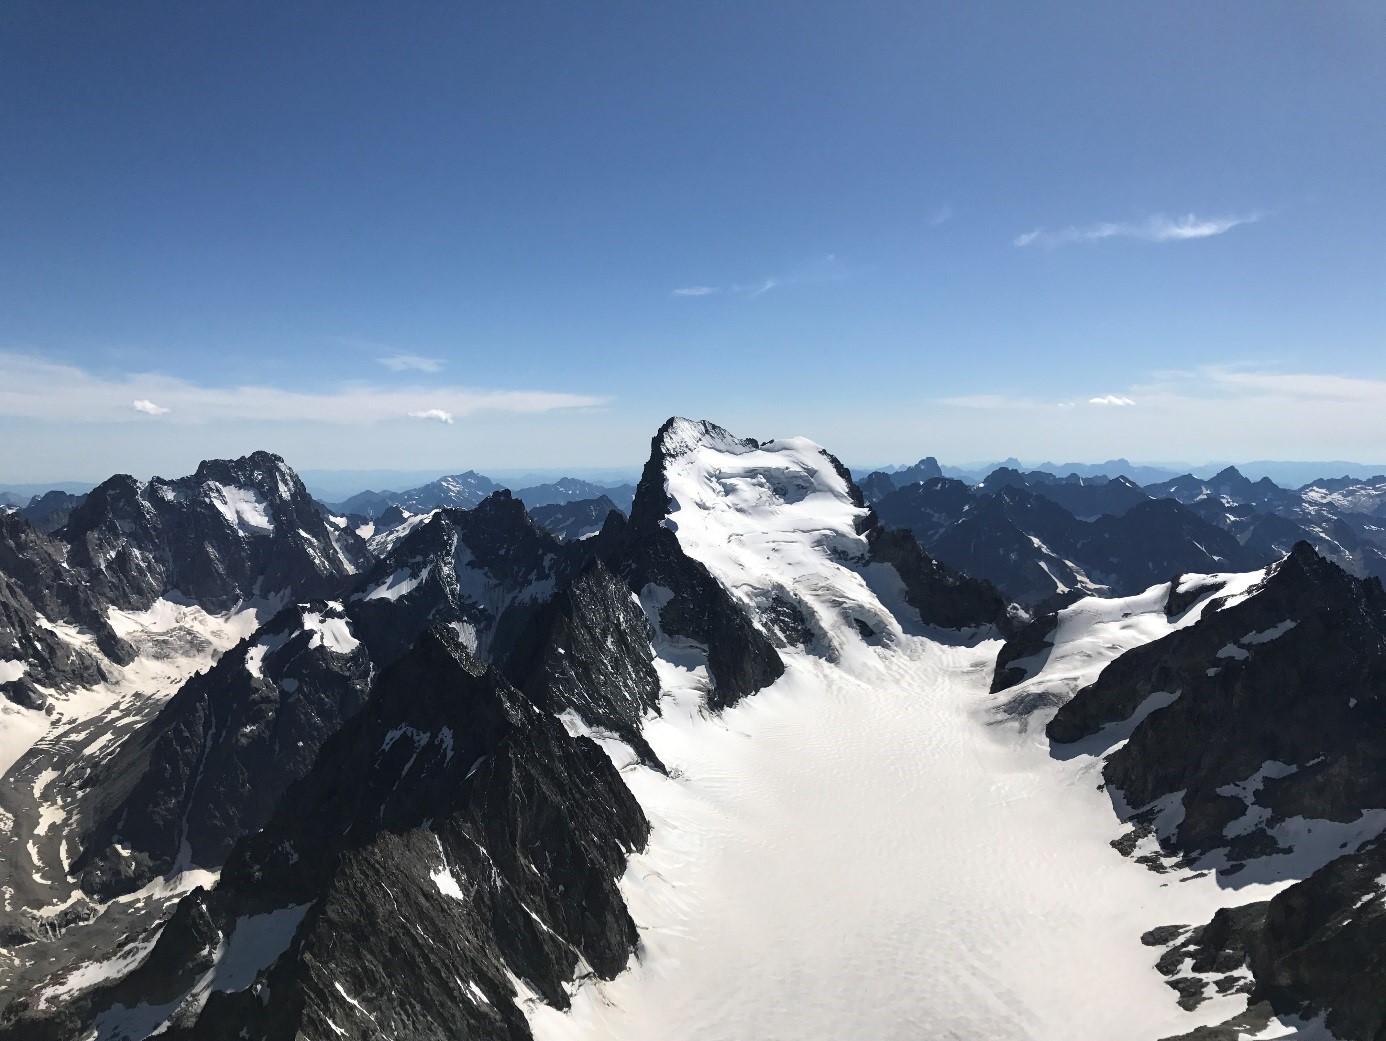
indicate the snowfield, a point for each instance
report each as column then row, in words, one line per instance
column 1095, row 631
column 871, row 847
column 173, row 639
column 868, row 854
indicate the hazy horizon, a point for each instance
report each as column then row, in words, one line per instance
column 340, row 483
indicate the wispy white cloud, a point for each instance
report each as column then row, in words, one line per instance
column 1157, row 228
column 749, row 289
column 410, row 363
column 1111, row 399
column 825, row 268
column 33, row 387
column 942, row 215
column 441, row 415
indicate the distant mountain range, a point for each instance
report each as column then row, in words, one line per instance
column 1288, row 474
column 1039, row 537
column 465, row 490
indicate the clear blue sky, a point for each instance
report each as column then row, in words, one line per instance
column 901, row 229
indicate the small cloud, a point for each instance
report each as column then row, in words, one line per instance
column 942, row 215
column 148, row 407
column 410, row 363
column 433, row 413
column 696, row 291
column 1110, row 399
column 758, row 288
column 1157, row 228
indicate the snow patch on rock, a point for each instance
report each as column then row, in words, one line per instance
column 244, row 508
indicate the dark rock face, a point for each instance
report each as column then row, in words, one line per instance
column 37, row 566
column 942, row 596
column 211, row 765
column 1313, row 949
column 215, row 763
column 1285, row 690
column 390, row 518
column 483, row 569
column 450, row 834
column 1211, row 959
column 234, row 530
column 1318, row 948
column 588, row 650
column 35, row 580
column 1009, row 539
column 1184, row 594
column 1153, row 540
column 1022, row 654
column 573, row 520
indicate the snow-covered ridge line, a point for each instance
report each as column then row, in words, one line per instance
column 1093, row 632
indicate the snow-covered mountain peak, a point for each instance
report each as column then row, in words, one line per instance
column 780, row 525
column 681, row 436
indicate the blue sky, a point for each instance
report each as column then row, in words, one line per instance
column 964, row 230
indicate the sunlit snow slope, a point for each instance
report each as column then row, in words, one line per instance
column 774, row 522
column 869, row 848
